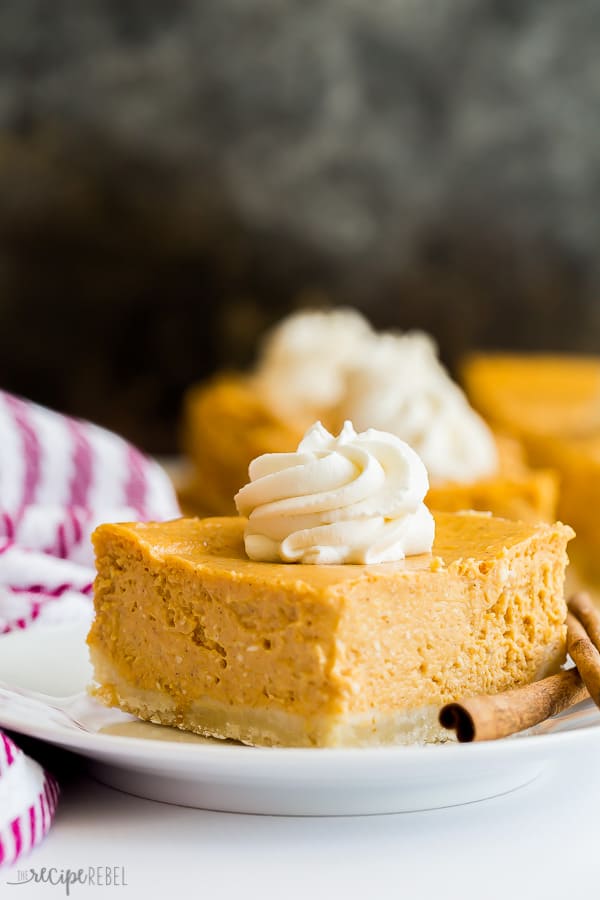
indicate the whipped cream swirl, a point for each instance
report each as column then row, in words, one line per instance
column 354, row 498
column 305, row 358
column 333, row 365
column 400, row 386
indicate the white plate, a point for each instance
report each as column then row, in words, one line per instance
column 164, row 764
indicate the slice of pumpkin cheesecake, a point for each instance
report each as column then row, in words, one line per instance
column 192, row 633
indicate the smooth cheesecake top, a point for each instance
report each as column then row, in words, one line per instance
column 536, row 393
column 464, row 542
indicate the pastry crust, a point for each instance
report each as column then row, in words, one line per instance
column 268, row 727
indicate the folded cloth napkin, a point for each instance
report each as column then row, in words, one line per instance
column 59, row 477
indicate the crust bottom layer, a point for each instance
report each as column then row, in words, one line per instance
column 267, row 727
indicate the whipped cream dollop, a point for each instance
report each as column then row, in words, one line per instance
column 354, row 498
column 305, row 358
column 399, row 385
column 333, row 365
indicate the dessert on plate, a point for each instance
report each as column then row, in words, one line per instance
column 332, row 366
column 335, row 610
column 551, row 403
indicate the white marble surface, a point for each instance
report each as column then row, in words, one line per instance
column 538, row 842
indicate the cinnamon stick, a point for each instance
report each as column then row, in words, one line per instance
column 492, row 716
column 582, row 606
column 585, row 656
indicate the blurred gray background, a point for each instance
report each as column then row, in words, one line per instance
column 174, row 176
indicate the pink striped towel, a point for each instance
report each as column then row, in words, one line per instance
column 59, row 478
column 28, row 798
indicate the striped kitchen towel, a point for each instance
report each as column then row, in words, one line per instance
column 28, row 798
column 59, row 478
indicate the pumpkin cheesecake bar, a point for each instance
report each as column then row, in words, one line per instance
column 529, row 495
column 551, row 403
column 190, row 632
column 556, row 395
column 333, row 366
column 227, row 423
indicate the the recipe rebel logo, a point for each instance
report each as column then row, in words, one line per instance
column 68, row 879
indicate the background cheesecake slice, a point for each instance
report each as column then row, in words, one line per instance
column 551, row 403
column 535, row 393
column 527, row 496
column 189, row 632
column 227, row 422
